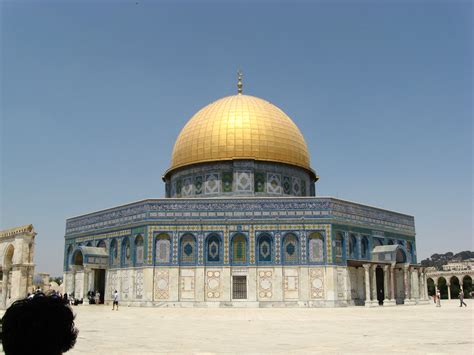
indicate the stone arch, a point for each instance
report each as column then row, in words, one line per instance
column 442, row 287
column 188, row 249
column 8, row 257
column 213, row 250
column 265, row 248
column 239, row 249
column 290, row 249
column 455, row 286
column 139, row 254
column 316, row 248
column 89, row 244
column 467, row 285
column 30, row 252
column 162, row 253
column 101, row 244
column 430, row 284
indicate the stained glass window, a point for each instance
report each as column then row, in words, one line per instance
column 162, row 249
column 213, row 248
column 239, row 249
column 126, row 256
column 139, row 249
column 114, row 252
column 364, row 248
column 188, row 249
column 290, row 249
column 338, row 245
column 265, row 248
column 315, row 248
column 352, row 246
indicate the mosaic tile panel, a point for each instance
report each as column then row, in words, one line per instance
column 162, row 284
column 265, row 286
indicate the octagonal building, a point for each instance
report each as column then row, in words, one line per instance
column 241, row 226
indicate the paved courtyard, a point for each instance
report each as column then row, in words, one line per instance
column 406, row 329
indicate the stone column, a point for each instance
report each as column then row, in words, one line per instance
column 392, row 283
column 406, row 281
column 367, row 284
column 386, row 301
column 374, row 285
column 5, row 288
column 449, row 290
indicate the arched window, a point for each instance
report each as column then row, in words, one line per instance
column 188, row 249
column 239, row 249
column 408, row 247
column 162, row 249
column 353, row 246
column 265, row 248
column 364, row 248
column 114, row 252
column 126, row 252
column 68, row 256
column 213, row 249
column 89, row 244
column 339, row 247
column 400, row 256
column 376, row 242
column 290, row 249
column 78, row 258
column 101, row 244
column 139, row 250
column 316, row 248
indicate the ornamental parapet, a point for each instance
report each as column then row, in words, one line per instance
column 235, row 210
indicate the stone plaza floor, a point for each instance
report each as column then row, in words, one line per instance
column 355, row 330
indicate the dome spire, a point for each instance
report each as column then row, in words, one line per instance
column 239, row 82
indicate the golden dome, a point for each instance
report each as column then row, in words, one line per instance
column 240, row 127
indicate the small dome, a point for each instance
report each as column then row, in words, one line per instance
column 240, row 127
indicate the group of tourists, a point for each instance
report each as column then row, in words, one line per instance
column 437, row 298
column 94, row 297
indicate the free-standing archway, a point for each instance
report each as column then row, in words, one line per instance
column 7, row 274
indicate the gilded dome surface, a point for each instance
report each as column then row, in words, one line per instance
column 240, row 127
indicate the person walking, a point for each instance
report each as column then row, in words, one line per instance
column 116, row 299
column 438, row 299
column 461, row 299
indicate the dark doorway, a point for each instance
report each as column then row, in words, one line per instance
column 99, row 283
column 239, row 287
column 379, row 285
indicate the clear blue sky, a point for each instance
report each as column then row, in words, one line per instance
column 95, row 93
